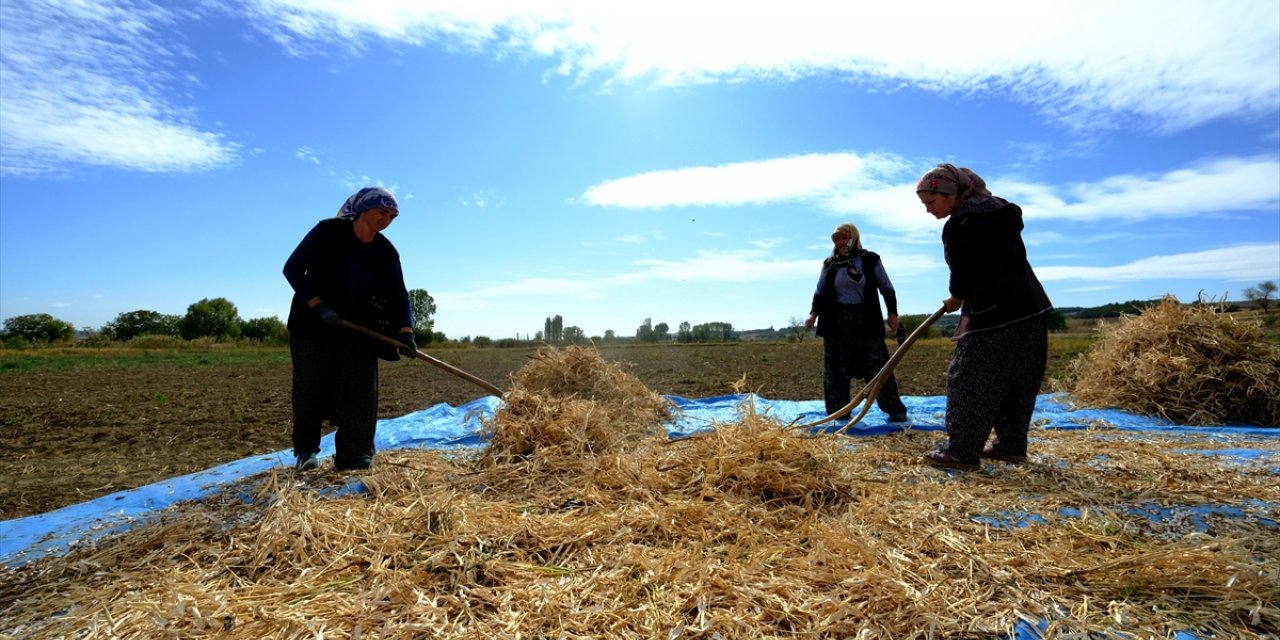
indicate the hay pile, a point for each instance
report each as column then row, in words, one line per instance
column 571, row 402
column 1192, row 364
column 748, row 531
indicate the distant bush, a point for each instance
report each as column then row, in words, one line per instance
column 151, row 341
column 132, row 324
column 39, row 327
column 15, row 342
column 267, row 330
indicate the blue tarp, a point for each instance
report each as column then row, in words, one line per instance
column 445, row 427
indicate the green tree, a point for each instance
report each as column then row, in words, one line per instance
column 1056, row 321
column 685, row 332
column 662, row 333
column 424, row 311
column 131, row 324
column 270, row 330
column 1261, row 294
column 39, row 327
column 210, row 318
column 644, row 333
column 714, row 332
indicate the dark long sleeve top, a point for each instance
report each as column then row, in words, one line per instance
column 361, row 281
column 990, row 271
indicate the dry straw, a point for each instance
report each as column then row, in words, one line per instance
column 562, row 530
column 1192, row 364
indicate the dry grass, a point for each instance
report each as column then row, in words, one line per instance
column 1192, row 364
column 748, row 531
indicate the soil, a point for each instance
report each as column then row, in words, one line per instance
column 76, row 433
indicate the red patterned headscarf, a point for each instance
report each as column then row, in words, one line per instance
column 947, row 178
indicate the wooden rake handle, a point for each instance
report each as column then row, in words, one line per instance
column 425, row 358
column 868, row 393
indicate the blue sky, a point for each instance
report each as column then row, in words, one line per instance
column 610, row 162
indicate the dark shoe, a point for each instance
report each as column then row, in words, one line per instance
column 899, row 417
column 990, row 453
column 940, row 458
column 357, row 464
column 307, row 462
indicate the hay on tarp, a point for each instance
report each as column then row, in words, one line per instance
column 1191, row 364
column 571, row 402
column 750, row 531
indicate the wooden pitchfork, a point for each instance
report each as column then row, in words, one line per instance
column 869, row 392
column 425, row 358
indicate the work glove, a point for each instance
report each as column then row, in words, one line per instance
column 408, row 347
column 327, row 314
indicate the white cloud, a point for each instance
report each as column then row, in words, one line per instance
column 1215, row 186
column 1172, row 64
column 1248, row 262
column 873, row 189
column 743, row 183
column 84, row 84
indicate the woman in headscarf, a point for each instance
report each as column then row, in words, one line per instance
column 344, row 268
column 1002, row 339
column 846, row 310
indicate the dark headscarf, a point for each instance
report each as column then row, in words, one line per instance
column 366, row 199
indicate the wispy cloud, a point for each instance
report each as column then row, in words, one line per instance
column 1248, row 262
column 744, row 183
column 1088, row 64
column 744, row 266
column 880, row 190
column 87, row 84
column 1214, row 186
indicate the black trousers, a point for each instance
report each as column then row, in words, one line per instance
column 334, row 379
column 992, row 383
column 851, row 350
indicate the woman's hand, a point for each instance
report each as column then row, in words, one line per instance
column 952, row 303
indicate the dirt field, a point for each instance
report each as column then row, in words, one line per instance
column 75, row 426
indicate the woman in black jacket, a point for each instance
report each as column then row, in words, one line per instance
column 344, row 269
column 1002, row 339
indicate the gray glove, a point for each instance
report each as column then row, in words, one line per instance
column 327, row 314
column 408, row 346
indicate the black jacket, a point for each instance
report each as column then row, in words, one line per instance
column 872, row 320
column 361, row 281
column 989, row 269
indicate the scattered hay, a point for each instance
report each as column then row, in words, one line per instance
column 749, row 531
column 1191, row 364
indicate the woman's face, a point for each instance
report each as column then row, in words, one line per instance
column 841, row 241
column 379, row 218
column 939, row 204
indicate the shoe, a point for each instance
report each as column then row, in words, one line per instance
column 307, row 462
column 358, row 464
column 899, row 417
column 990, row 453
column 940, row 458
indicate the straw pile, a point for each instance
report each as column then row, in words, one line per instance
column 571, row 402
column 1191, row 364
column 744, row 532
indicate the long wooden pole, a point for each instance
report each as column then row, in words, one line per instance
column 425, row 358
column 868, row 393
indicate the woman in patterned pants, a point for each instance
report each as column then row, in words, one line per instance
column 1002, row 339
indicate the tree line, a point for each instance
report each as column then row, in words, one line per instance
column 218, row 318
column 215, row 318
